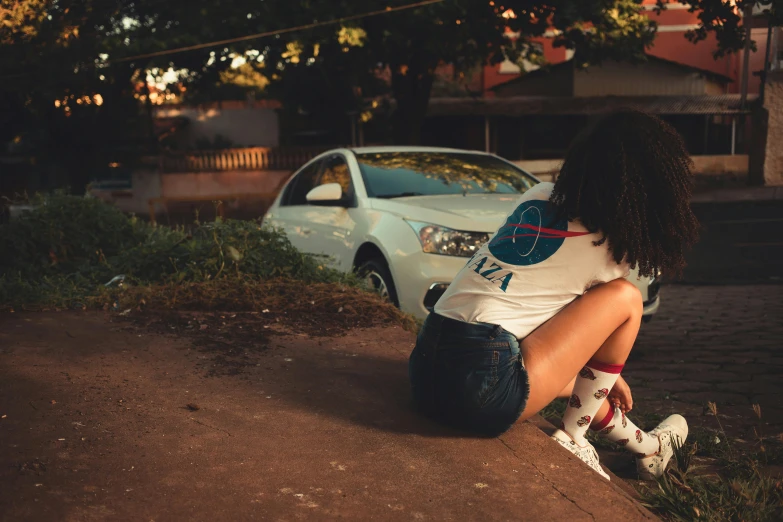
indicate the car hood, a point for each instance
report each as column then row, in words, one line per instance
column 471, row 213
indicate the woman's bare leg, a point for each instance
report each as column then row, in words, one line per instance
column 566, row 392
column 601, row 325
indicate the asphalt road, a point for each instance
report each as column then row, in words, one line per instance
column 740, row 242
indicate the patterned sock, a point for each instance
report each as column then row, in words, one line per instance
column 590, row 390
column 618, row 428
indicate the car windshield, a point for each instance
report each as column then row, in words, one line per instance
column 405, row 174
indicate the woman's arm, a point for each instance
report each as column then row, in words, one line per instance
column 620, row 396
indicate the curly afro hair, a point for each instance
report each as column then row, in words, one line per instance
column 628, row 177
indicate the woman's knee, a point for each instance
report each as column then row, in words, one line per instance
column 626, row 292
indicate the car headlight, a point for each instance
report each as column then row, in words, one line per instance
column 435, row 239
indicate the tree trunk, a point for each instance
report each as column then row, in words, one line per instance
column 152, row 140
column 411, row 86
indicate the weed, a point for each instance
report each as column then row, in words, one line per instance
column 739, row 492
column 335, row 305
column 62, row 253
column 554, row 410
column 710, row 443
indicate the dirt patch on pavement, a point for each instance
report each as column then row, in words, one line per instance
column 134, row 418
column 108, row 420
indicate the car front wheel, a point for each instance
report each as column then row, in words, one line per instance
column 376, row 273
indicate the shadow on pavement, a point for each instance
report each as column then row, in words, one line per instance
column 367, row 389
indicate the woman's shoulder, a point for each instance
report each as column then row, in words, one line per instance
column 541, row 191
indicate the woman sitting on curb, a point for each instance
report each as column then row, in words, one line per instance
column 562, row 320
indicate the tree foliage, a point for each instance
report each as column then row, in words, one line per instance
column 69, row 50
column 60, row 101
column 725, row 20
column 408, row 47
column 20, row 19
column 324, row 71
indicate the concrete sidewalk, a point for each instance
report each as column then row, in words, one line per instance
column 103, row 421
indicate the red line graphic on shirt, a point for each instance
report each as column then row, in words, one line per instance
column 543, row 232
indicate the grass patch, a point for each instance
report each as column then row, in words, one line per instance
column 554, row 410
column 68, row 251
column 740, row 490
column 733, row 486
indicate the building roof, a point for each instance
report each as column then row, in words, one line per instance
column 556, row 105
column 712, row 75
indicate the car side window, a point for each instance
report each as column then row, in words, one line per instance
column 304, row 182
column 336, row 171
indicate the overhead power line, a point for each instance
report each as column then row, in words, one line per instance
column 274, row 33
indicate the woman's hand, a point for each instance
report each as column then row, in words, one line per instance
column 620, row 396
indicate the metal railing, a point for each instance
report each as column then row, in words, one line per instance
column 253, row 158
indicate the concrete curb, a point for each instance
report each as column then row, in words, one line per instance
column 740, row 195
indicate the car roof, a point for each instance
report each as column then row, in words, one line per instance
column 404, row 148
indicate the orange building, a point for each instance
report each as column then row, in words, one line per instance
column 670, row 44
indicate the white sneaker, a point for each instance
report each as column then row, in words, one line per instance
column 586, row 454
column 673, row 429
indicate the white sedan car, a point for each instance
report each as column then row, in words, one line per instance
column 405, row 217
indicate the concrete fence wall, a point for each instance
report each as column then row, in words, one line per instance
column 149, row 184
column 732, row 165
column 225, row 183
column 145, row 185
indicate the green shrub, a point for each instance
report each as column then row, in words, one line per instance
column 62, row 235
column 68, row 247
column 220, row 249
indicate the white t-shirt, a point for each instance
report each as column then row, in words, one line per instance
column 530, row 269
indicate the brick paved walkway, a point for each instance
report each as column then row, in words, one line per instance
column 713, row 343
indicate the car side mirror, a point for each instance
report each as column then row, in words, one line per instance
column 329, row 194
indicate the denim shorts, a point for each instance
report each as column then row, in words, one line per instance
column 468, row 375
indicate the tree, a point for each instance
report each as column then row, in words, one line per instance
column 410, row 45
column 725, row 20
column 344, row 63
column 20, row 19
column 60, row 101
column 65, row 50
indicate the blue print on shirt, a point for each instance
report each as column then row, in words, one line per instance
column 524, row 240
column 493, row 272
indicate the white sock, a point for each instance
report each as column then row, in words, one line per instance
column 590, row 390
column 618, row 428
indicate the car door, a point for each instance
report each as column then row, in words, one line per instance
column 331, row 226
column 289, row 213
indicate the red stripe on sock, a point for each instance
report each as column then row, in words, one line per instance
column 605, row 422
column 604, row 367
